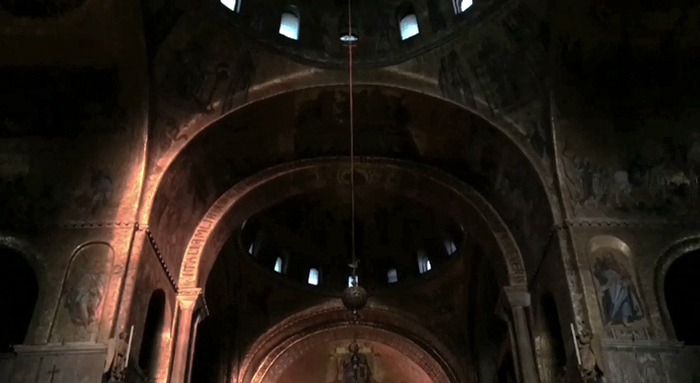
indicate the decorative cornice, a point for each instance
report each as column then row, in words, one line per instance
column 161, row 260
column 611, row 222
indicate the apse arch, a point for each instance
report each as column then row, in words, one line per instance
column 669, row 256
column 414, row 180
column 330, row 322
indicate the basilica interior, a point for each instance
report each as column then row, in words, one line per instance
column 350, row 191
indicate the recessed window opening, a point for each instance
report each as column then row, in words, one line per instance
column 392, row 276
column 423, row 262
column 408, row 25
column 351, row 279
column 313, row 277
column 450, row 246
column 462, row 5
column 278, row 265
column 233, row 5
column 289, row 25
column 349, row 37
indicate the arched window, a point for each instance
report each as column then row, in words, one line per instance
column 233, row 5
column 462, row 5
column 313, row 277
column 681, row 286
column 423, row 262
column 18, row 294
column 450, row 246
column 351, row 279
column 392, row 276
column 408, row 25
column 278, row 265
column 152, row 330
column 289, row 25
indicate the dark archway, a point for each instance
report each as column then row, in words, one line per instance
column 550, row 342
column 681, row 285
column 155, row 319
column 206, row 363
column 18, row 295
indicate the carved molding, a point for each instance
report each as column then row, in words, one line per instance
column 161, row 260
column 189, row 298
column 632, row 223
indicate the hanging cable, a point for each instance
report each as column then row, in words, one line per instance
column 352, row 152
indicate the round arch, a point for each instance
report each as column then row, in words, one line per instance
column 416, row 181
column 332, row 322
column 311, row 80
column 668, row 256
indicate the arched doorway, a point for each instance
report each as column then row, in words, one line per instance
column 155, row 320
column 681, row 285
column 18, row 294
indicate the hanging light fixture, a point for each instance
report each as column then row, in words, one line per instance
column 354, row 297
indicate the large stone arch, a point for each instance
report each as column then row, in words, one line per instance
column 413, row 180
column 331, row 321
column 308, row 79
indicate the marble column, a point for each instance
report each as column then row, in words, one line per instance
column 514, row 301
column 187, row 301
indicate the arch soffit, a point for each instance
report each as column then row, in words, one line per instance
column 669, row 255
column 284, row 181
column 310, row 79
column 378, row 323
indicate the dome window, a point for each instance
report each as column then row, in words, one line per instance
column 450, row 246
column 351, row 280
column 278, row 265
column 462, row 5
column 409, row 26
column 313, row 277
column 349, row 37
column 423, row 262
column 233, row 5
column 289, row 25
column 392, row 276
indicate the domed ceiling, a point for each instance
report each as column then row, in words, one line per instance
column 323, row 28
column 397, row 239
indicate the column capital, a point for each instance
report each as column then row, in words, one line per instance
column 189, row 297
column 515, row 296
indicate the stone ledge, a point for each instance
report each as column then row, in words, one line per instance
column 67, row 348
column 642, row 344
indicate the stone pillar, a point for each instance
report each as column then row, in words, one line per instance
column 514, row 301
column 187, row 301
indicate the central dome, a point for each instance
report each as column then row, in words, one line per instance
column 382, row 32
column 397, row 238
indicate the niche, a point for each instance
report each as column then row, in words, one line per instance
column 617, row 292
